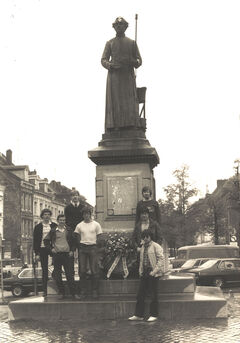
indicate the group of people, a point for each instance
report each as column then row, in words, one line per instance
column 75, row 229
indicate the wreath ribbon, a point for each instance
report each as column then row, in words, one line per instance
column 114, row 264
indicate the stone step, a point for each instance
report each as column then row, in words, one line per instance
column 167, row 284
column 202, row 305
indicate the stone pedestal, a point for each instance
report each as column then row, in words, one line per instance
column 178, row 298
column 125, row 161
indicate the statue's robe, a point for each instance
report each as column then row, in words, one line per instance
column 122, row 107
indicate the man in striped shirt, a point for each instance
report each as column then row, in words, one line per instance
column 150, row 268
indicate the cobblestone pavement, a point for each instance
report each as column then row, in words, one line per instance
column 199, row 331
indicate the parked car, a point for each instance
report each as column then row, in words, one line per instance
column 218, row 272
column 190, row 264
column 200, row 251
column 9, row 271
column 23, row 283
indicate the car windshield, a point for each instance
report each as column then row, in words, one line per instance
column 208, row 264
column 182, row 254
column 188, row 264
column 28, row 273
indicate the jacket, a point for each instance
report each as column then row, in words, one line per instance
column 51, row 238
column 156, row 258
column 73, row 215
column 37, row 236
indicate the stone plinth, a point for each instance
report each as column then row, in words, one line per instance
column 126, row 146
column 178, row 299
column 125, row 161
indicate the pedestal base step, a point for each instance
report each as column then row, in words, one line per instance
column 166, row 285
column 202, row 305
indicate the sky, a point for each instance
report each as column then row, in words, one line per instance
column 52, row 85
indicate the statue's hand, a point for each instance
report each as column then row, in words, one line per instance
column 135, row 62
column 114, row 66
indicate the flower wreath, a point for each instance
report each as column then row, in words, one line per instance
column 118, row 248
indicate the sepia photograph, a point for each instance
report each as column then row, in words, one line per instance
column 119, row 171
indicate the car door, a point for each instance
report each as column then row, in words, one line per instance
column 235, row 276
column 27, row 278
column 228, row 270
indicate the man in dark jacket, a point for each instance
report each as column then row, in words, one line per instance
column 41, row 253
column 60, row 242
column 73, row 215
column 73, row 211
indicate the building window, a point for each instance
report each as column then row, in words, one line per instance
column 35, row 207
column 30, row 202
column 22, row 202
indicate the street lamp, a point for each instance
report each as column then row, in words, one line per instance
column 236, row 182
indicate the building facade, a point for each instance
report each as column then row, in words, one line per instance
column 44, row 197
column 23, row 195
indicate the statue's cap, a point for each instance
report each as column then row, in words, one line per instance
column 119, row 20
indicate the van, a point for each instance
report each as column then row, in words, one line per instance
column 204, row 251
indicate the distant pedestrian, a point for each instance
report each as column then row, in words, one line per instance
column 41, row 252
column 149, row 203
column 61, row 244
column 73, row 215
column 150, row 268
column 87, row 234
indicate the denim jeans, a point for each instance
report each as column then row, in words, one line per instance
column 88, row 253
column 62, row 259
column 147, row 283
column 44, row 264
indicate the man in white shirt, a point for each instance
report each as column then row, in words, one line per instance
column 87, row 233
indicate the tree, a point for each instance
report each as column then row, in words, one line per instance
column 208, row 215
column 174, row 209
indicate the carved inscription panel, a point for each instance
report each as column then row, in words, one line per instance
column 122, row 195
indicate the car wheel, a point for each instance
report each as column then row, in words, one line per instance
column 218, row 282
column 17, row 291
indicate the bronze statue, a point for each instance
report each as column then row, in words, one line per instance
column 120, row 57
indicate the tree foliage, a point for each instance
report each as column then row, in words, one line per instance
column 175, row 208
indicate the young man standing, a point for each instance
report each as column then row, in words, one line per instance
column 73, row 215
column 149, row 203
column 150, row 268
column 41, row 252
column 61, row 244
column 87, row 233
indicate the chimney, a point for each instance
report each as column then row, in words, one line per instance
column 9, row 156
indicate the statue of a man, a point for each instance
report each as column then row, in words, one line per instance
column 120, row 57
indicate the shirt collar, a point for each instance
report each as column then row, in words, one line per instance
column 147, row 245
column 49, row 223
column 74, row 204
column 58, row 229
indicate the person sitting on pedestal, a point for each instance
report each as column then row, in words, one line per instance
column 146, row 223
column 87, row 233
column 61, row 244
column 150, row 268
